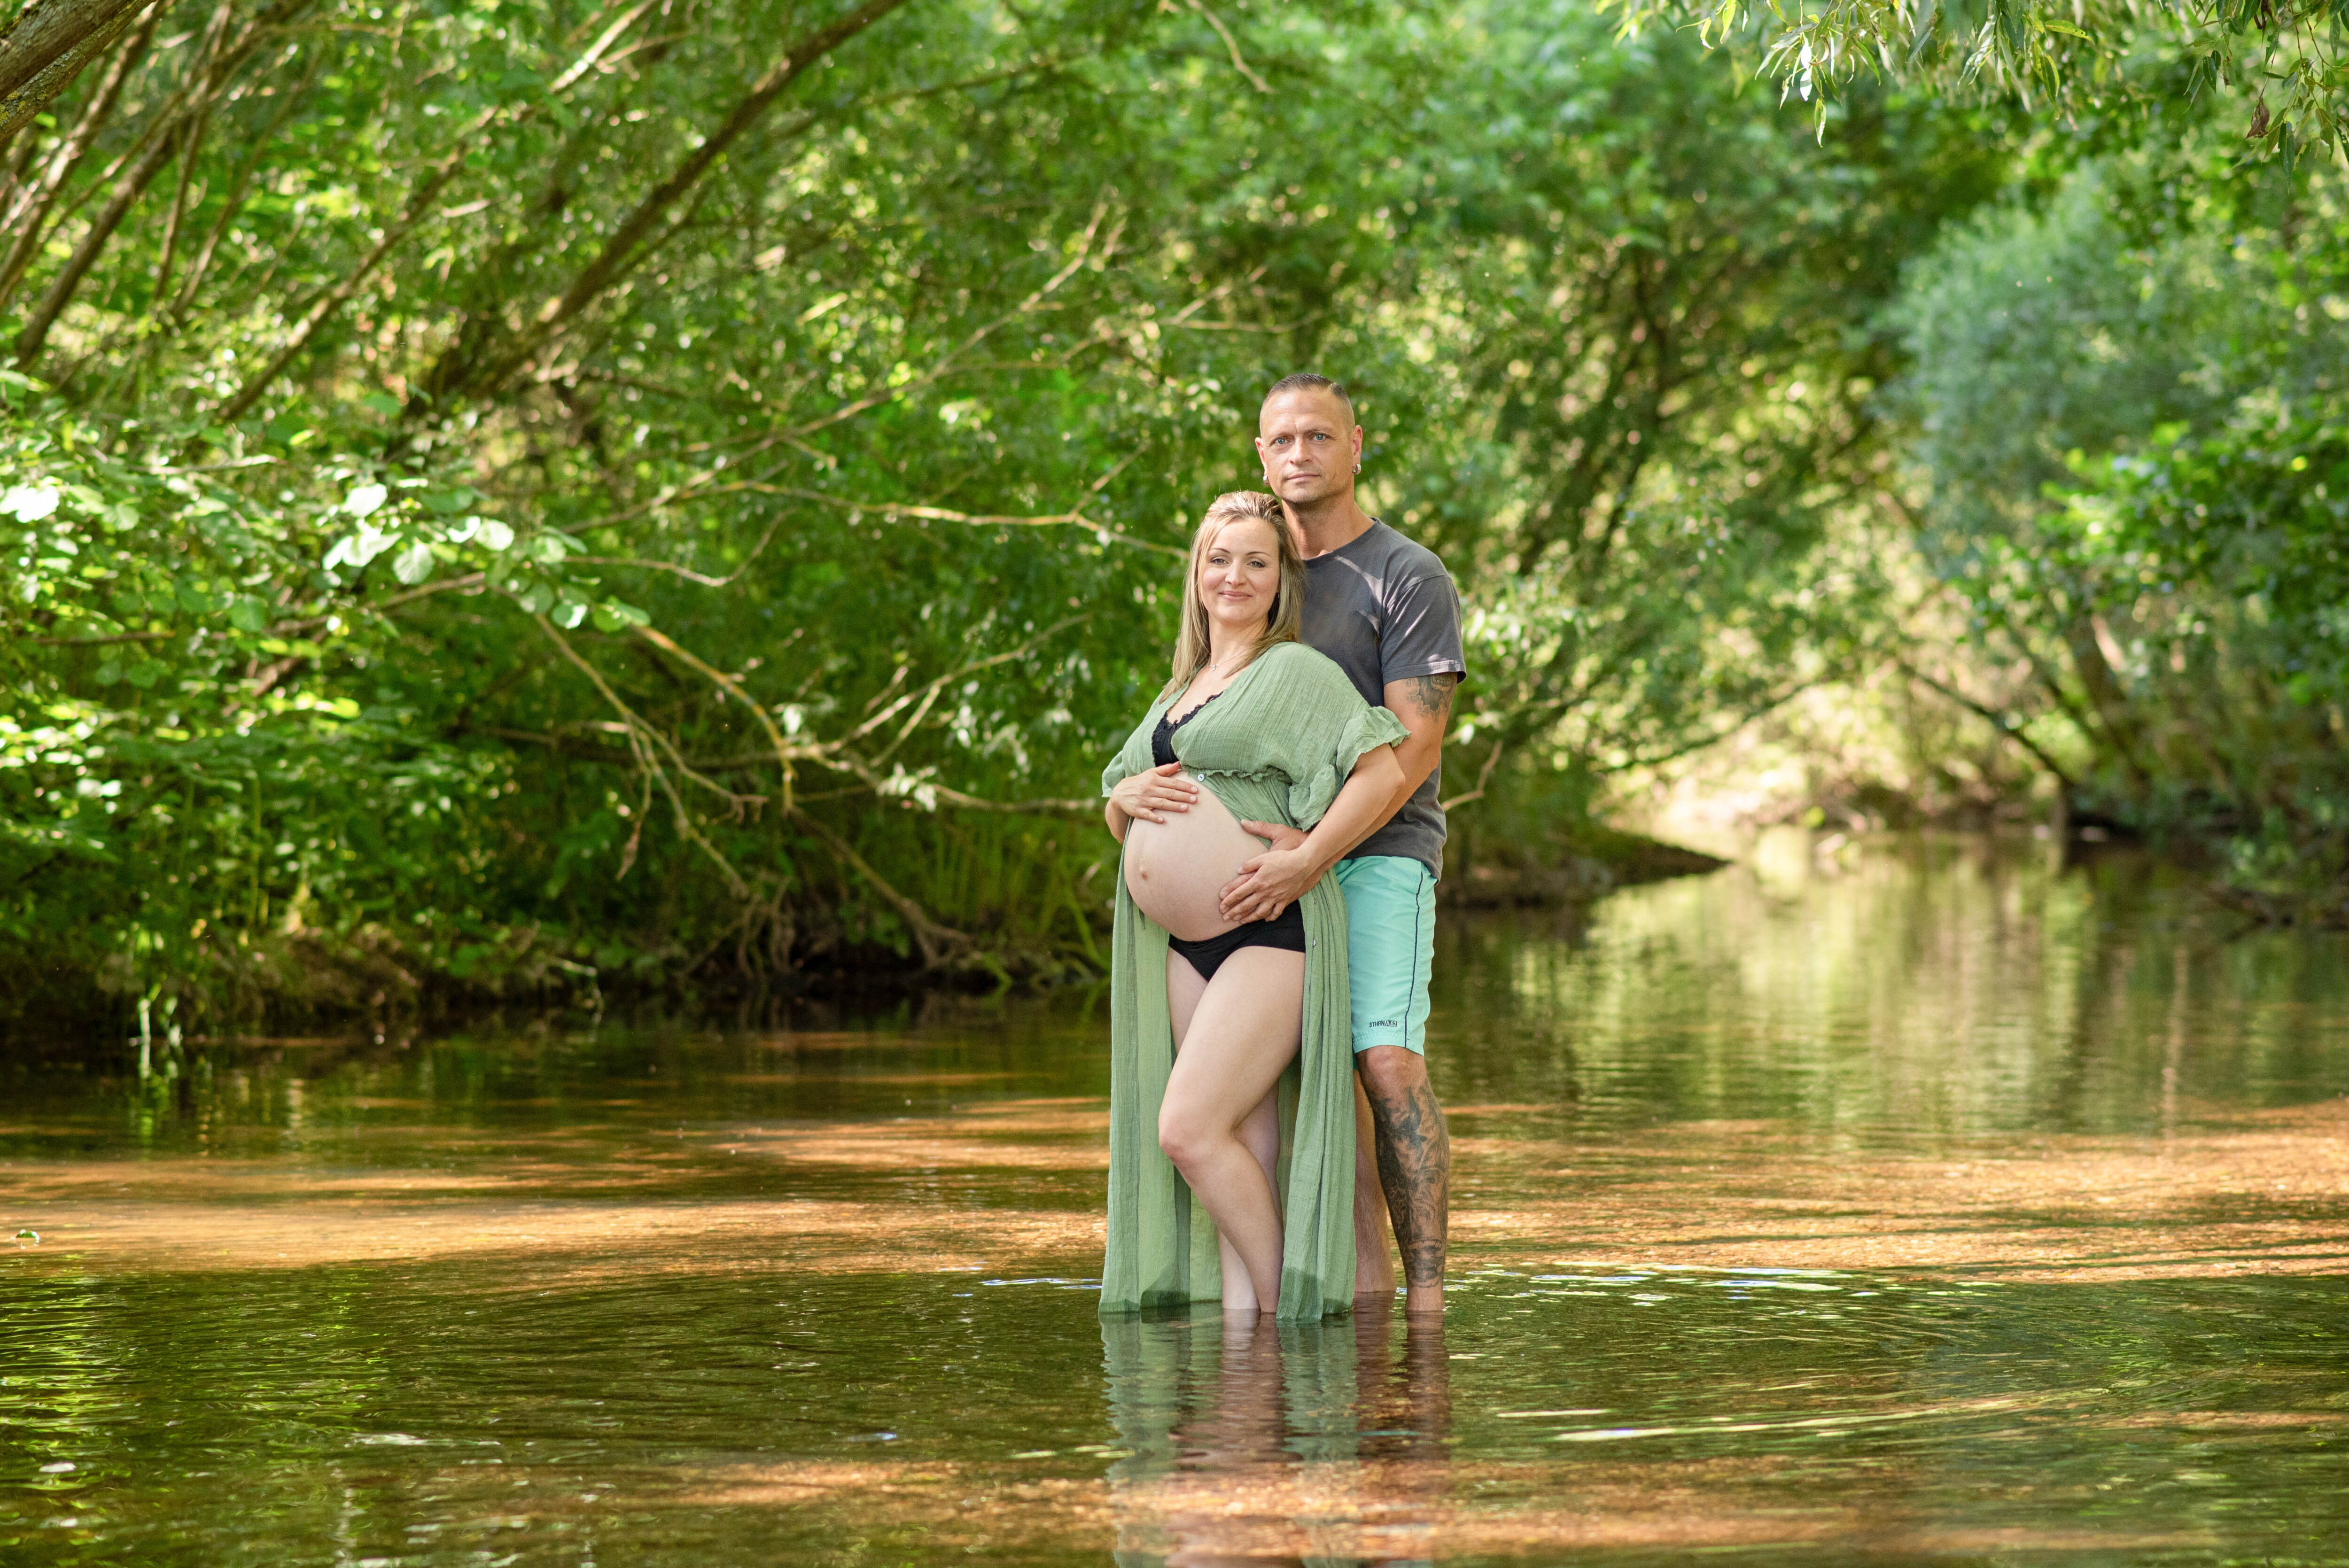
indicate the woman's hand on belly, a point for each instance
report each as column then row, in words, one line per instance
column 1177, row 869
column 1156, row 793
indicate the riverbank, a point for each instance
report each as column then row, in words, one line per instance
column 312, row 974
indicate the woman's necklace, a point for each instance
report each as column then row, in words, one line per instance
column 1214, row 669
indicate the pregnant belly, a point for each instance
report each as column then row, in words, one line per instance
column 1177, row 869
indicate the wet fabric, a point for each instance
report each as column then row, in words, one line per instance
column 1276, row 747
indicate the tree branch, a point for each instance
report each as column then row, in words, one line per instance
column 1484, row 777
column 643, row 740
column 30, row 209
column 1781, row 700
column 460, row 374
column 419, row 209
column 45, row 47
column 1231, row 44
column 686, row 572
column 206, row 81
column 1998, row 720
column 732, row 686
column 935, row 941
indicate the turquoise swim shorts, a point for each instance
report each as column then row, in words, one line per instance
column 1390, row 948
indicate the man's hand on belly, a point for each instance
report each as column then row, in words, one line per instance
column 1274, row 879
column 1287, row 872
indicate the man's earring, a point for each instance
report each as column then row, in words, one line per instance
column 1358, row 468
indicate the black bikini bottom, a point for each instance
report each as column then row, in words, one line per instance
column 1285, row 932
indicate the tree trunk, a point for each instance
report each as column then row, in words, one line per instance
column 2106, row 698
column 45, row 46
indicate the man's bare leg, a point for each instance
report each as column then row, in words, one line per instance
column 1374, row 1269
column 1414, row 1155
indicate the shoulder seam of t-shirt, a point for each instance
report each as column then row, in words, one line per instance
column 1376, row 524
column 1442, row 573
column 1440, row 570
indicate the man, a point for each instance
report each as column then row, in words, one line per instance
column 1386, row 611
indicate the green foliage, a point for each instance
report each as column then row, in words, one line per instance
column 2041, row 331
column 2132, row 413
column 2073, row 61
column 549, row 495
column 1651, row 444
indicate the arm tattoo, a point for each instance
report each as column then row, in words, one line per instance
column 1432, row 695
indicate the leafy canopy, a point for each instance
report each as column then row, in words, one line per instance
column 2069, row 59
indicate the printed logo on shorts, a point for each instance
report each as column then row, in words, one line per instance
column 1386, row 1024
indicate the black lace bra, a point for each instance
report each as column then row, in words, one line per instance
column 1162, row 740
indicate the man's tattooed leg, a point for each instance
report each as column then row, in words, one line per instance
column 1414, row 1148
column 1374, row 1268
column 1415, row 1169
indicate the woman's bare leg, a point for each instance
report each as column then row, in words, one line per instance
column 1260, row 1132
column 1240, row 1032
column 1184, row 986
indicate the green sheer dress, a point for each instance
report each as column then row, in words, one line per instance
column 1276, row 745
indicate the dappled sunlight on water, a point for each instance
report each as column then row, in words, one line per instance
column 1936, row 1204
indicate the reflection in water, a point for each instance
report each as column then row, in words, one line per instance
column 1932, row 987
column 1251, row 1442
column 1936, row 1204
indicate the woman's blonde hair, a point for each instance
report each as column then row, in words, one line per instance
column 1288, row 611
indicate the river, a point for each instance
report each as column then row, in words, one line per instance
column 1928, row 1200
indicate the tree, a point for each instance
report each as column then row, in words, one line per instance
column 45, row 46
column 2128, row 402
column 1650, row 304
column 2074, row 60
column 509, row 494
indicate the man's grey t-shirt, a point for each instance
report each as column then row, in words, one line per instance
column 1385, row 609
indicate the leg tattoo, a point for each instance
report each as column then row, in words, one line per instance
column 1416, row 1169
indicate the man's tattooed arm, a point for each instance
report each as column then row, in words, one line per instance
column 1424, row 702
column 1432, row 695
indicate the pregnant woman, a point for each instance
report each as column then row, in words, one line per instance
column 1232, row 1081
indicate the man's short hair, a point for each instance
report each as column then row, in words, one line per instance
column 1307, row 381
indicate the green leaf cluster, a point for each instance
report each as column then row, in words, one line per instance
column 549, row 494
column 2130, row 413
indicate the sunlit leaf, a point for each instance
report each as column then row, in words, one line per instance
column 413, row 564
column 29, row 503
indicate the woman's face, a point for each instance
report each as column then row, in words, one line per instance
column 1239, row 576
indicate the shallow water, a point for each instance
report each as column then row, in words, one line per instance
column 1932, row 1203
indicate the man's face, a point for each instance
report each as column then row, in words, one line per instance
column 1310, row 445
